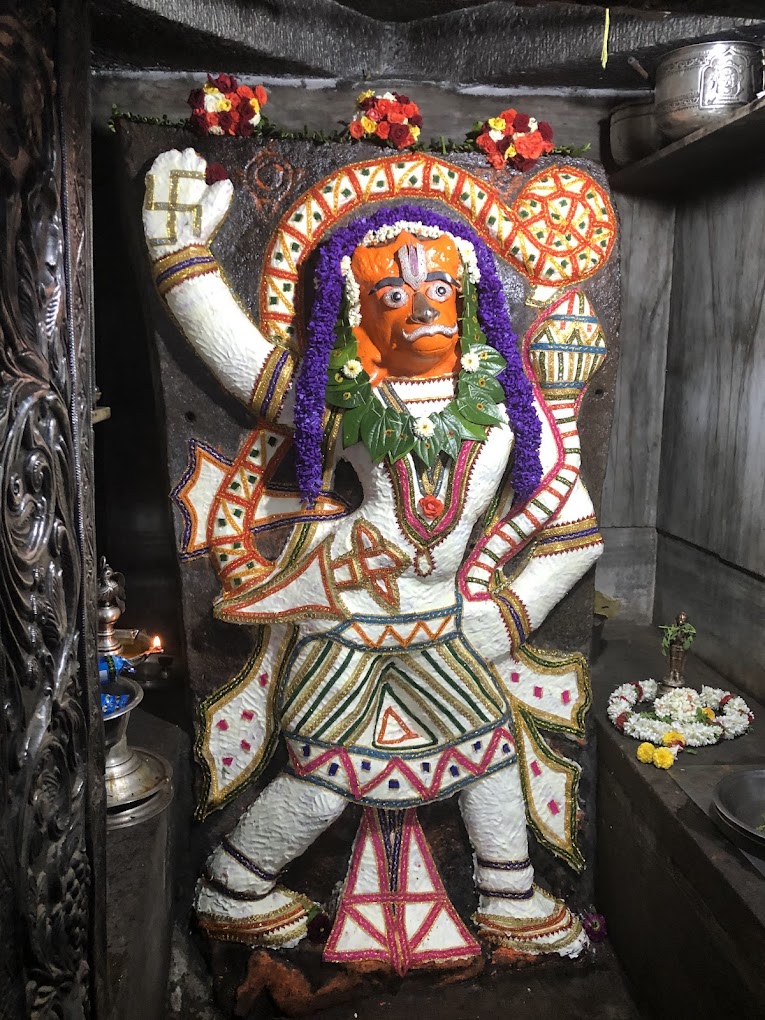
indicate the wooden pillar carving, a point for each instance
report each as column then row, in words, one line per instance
column 51, row 744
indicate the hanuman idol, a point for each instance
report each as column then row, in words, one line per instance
column 391, row 639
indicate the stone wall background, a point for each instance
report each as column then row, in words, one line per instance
column 690, row 379
column 710, row 516
column 192, row 404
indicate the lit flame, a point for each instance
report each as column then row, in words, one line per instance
column 156, row 643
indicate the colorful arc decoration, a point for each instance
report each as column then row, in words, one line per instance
column 559, row 230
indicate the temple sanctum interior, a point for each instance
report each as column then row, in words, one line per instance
column 382, row 513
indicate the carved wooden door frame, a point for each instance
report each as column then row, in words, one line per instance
column 52, row 893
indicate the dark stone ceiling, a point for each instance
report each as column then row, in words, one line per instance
column 414, row 10
column 495, row 43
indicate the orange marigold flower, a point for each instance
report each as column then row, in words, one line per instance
column 529, row 145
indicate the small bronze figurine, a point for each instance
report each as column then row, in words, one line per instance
column 677, row 640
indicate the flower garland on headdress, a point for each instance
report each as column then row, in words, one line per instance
column 493, row 318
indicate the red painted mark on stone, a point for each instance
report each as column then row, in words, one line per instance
column 554, row 809
column 565, row 697
column 535, row 768
column 515, row 678
column 245, row 745
column 247, row 714
column 263, row 679
column 222, row 724
column 538, row 692
column 228, row 761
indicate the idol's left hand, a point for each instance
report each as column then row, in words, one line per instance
column 483, row 626
column 495, row 622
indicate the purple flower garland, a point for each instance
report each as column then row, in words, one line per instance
column 493, row 317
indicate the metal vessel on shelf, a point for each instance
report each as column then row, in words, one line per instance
column 633, row 131
column 138, row 781
column 701, row 85
column 739, row 800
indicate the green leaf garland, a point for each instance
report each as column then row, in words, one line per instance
column 388, row 432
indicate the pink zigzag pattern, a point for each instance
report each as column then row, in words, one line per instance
column 450, row 755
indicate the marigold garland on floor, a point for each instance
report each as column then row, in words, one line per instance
column 681, row 718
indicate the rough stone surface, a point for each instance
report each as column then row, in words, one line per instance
column 494, row 43
column 194, row 405
column 295, row 103
column 549, row 989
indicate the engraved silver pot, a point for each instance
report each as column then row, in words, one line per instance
column 697, row 86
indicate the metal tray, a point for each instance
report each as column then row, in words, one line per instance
column 740, row 800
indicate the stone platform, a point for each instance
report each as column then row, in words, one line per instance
column 685, row 907
column 264, row 986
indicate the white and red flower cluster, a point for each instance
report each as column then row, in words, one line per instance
column 391, row 119
column 224, row 107
column 697, row 718
column 514, row 140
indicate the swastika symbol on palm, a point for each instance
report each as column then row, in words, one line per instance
column 172, row 206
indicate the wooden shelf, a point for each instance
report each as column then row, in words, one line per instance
column 682, row 165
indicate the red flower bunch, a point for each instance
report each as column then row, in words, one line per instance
column 390, row 119
column 514, row 139
column 224, row 107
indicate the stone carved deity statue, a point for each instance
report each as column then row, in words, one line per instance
column 391, row 648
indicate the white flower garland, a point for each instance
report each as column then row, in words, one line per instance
column 352, row 292
column 679, row 710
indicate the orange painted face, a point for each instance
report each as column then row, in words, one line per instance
column 409, row 320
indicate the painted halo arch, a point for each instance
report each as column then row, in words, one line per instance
column 505, row 228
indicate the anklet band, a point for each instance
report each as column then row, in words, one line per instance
column 504, row 865
column 503, row 895
column 245, row 861
column 234, row 894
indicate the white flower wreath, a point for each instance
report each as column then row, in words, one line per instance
column 681, row 711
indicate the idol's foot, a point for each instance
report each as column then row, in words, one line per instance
column 540, row 924
column 279, row 919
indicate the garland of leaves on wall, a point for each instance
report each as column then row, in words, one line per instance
column 222, row 106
